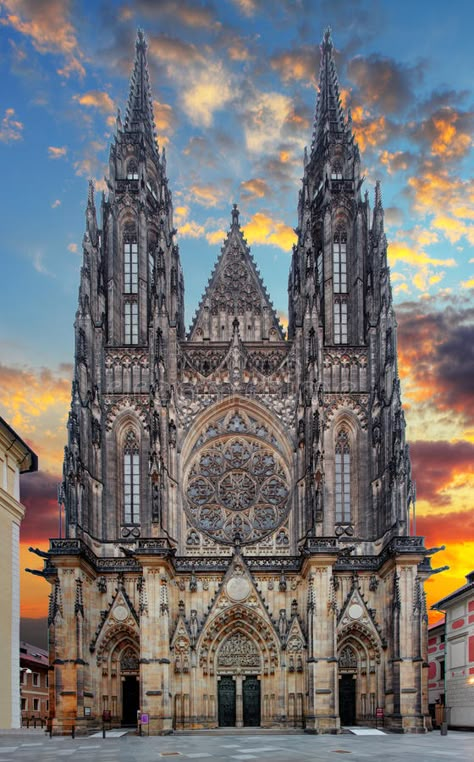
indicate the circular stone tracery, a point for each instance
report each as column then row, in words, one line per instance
column 237, row 488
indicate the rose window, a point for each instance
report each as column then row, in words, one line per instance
column 237, row 488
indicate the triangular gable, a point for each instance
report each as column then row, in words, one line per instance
column 238, row 589
column 119, row 612
column 235, row 292
column 355, row 612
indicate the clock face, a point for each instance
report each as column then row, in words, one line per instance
column 237, row 485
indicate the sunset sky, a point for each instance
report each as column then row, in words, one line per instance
column 234, row 87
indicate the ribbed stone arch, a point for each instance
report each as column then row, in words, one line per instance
column 231, row 621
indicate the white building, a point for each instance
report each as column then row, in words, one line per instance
column 15, row 458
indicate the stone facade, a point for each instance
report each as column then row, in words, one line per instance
column 237, row 500
column 15, row 458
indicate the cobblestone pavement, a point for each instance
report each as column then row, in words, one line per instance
column 36, row 746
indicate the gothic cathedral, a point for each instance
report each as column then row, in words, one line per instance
column 237, row 500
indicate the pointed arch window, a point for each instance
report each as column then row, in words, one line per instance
column 132, row 170
column 131, row 479
column 340, row 262
column 343, row 477
column 130, row 322
column 340, row 320
column 130, row 262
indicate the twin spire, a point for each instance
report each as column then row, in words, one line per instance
column 139, row 113
column 329, row 116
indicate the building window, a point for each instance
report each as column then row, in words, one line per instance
column 36, row 705
column 343, row 478
column 131, row 479
column 46, row 680
column 319, row 267
column 340, row 321
column 36, row 680
column 336, row 173
column 130, row 267
column 441, row 670
column 24, row 705
column 131, row 323
column 132, row 170
column 340, row 263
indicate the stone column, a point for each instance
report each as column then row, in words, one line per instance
column 239, row 701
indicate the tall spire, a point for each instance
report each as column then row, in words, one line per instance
column 329, row 116
column 139, row 113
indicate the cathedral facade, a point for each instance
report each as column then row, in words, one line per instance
column 237, row 500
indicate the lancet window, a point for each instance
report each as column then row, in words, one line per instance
column 343, row 477
column 340, row 320
column 130, row 262
column 130, row 322
column 340, row 262
column 131, row 479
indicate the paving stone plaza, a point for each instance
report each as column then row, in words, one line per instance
column 36, row 746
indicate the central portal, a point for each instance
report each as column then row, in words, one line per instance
column 251, row 701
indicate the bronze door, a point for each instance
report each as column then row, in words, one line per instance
column 226, row 700
column 251, row 697
column 347, row 700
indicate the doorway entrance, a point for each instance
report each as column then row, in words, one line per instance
column 226, row 702
column 347, row 699
column 130, row 700
column 251, row 701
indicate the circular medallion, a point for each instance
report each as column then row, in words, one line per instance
column 236, row 486
column 355, row 611
column 238, row 588
column 120, row 613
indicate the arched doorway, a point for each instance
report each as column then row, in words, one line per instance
column 360, row 677
column 129, row 674
column 347, row 685
column 239, row 664
column 118, row 657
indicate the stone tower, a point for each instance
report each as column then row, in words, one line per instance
column 237, row 547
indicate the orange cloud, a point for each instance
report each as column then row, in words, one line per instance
column 11, row 129
column 215, row 237
column 298, row 64
column 36, row 402
column 206, row 195
column 369, row 130
column 96, row 99
column 263, row 229
column 255, row 188
column 49, row 28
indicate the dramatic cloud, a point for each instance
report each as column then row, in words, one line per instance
column 384, row 82
column 265, row 116
column 438, row 467
column 165, row 120
column 96, row 99
column 255, row 188
column 436, row 349
column 263, row 229
column 209, row 195
column 35, row 402
column 447, row 133
column 424, row 266
column 299, row 64
column 39, row 495
column 11, row 129
column 48, row 25
column 186, row 13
